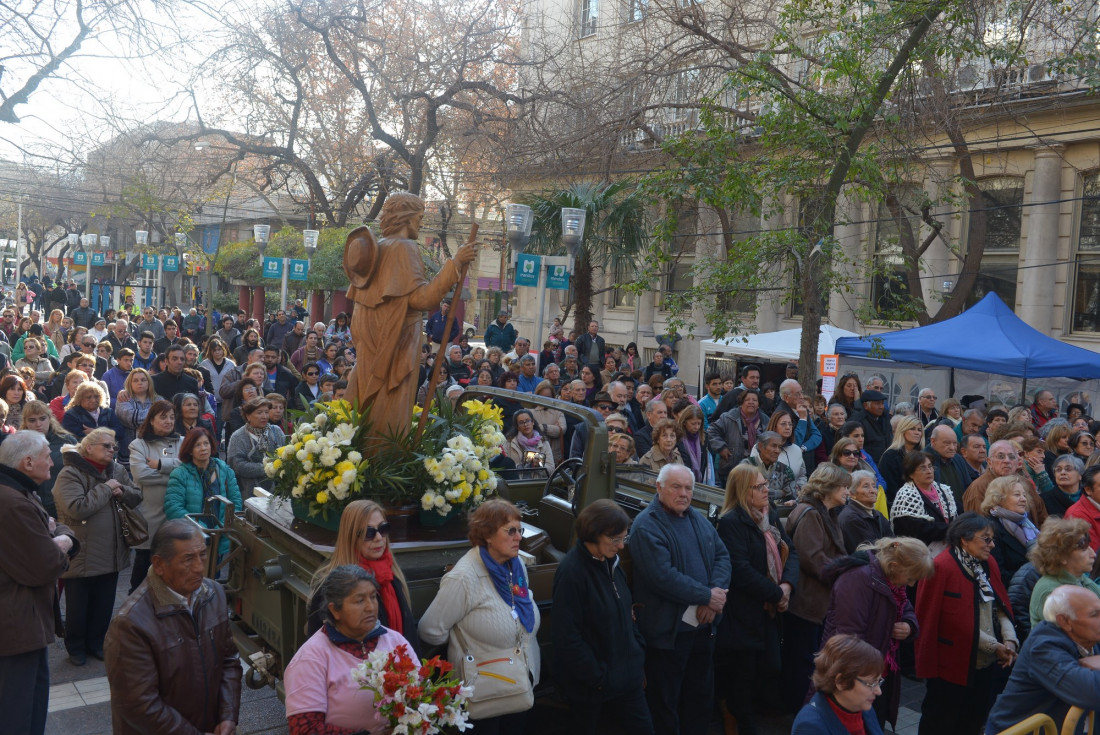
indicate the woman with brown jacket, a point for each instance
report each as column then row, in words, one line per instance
column 819, row 540
column 86, row 490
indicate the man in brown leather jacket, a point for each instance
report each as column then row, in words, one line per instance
column 34, row 552
column 171, row 661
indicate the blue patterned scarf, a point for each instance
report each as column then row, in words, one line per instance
column 510, row 580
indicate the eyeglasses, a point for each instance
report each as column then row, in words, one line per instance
column 1083, row 543
column 111, row 446
column 605, row 407
column 619, row 540
column 850, row 452
column 876, row 684
column 513, row 530
column 371, row 531
column 88, row 344
column 760, row 487
column 987, row 540
column 1005, row 456
column 312, row 374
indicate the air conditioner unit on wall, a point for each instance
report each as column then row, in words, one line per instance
column 970, row 77
column 1037, row 73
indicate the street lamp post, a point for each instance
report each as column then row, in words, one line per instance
column 87, row 245
column 572, row 235
column 104, row 246
column 309, row 242
column 141, row 240
column 180, row 243
column 518, row 220
column 260, row 233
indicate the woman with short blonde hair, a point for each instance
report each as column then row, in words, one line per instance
column 86, row 491
column 1061, row 554
column 87, row 410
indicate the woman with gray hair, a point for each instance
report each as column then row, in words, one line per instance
column 816, row 533
column 1066, row 471
column 1014, row 533
column 86, row 492
column 320, row 694
column 859, row 521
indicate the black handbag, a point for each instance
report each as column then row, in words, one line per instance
column 135, row 529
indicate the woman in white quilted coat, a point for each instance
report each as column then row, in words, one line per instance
column 486, row 614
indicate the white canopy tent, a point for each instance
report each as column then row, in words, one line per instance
column 779, row 346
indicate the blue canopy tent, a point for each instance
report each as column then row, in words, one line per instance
column 988, row 338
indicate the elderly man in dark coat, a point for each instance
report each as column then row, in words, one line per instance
column 34, row 552
column 171, row 661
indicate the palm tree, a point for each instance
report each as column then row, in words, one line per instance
column 615, row 226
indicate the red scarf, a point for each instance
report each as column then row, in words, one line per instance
column 850, row 721
column 382, row 569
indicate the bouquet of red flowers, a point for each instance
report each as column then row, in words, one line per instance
column 417, row 700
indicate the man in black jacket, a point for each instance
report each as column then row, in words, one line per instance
column 591, row 346
column 876, row 424
column 72, row 298
column 173, row 380
column 119, row 337
column 643, row 437
column 84, row 315
column 279, row 379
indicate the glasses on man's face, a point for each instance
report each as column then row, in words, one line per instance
column 1002, row 456
column 874, row 684
column 312, row 374
column 371, row 532
column 512, row 530
column 87, row 344
column 606, row 408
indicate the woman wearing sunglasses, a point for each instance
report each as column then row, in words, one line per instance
column 86, row 490
column 364, row 539
column 486, row 613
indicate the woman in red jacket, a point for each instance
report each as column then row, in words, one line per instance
column 966, row 630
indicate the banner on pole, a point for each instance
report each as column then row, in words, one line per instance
column 171, row 262
column 80, row 257
column 299, row 270
column 557, row 277
column 210, row 237
column 273, row 267
column 527, row 269
column 99, row 258
column 149, row 262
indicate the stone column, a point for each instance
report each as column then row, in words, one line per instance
column 259, row 311
column 1036, row 296
column 317, row 306
column 340, row 303
column 938, row 265
column 769, row 304
column 244, row 298
column 849, row 235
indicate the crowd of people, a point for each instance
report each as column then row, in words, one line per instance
column 858, row 542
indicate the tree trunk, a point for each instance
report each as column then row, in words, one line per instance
column 582, row 290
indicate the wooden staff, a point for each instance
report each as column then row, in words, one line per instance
column 433, row 380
